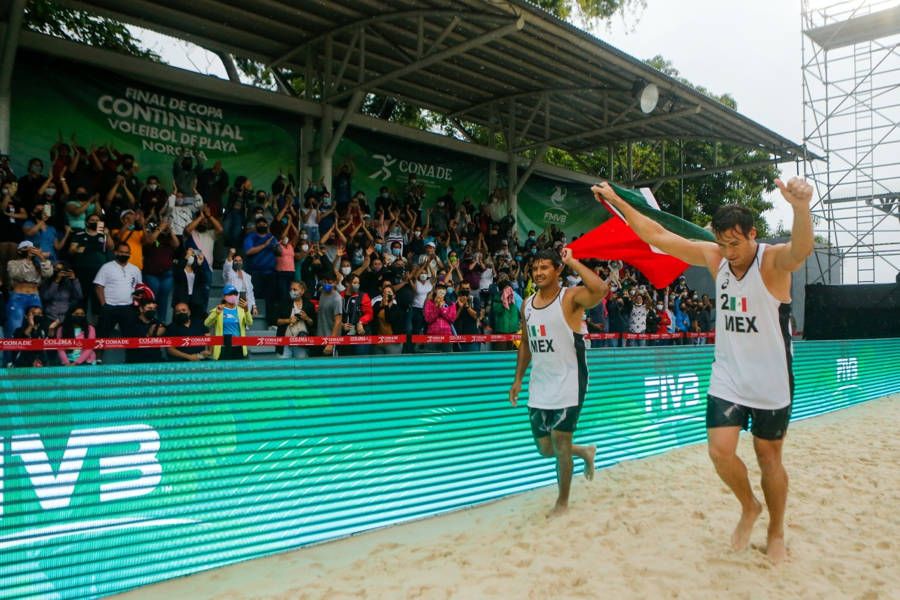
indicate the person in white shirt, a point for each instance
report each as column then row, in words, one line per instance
column 752, row 382
column 114, row 284
column 234, row 274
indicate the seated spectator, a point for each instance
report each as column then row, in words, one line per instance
column 297, row 318
column 183, row 325
column 229, row 319
column 25, row 276
column 61, row 292
column 233, row 273
column 76, row 326
column 35, row 327
column 190, row 283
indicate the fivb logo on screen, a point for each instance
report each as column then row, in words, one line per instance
column 847, row 369
column 54, row 488
column 671, row 392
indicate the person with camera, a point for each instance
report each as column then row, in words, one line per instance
column 229, row 319
column 390, row 317
column 160, row 246
column 297, row 318
column 25, row 275
column 39, row 231
column 61, row 292
column 233, row 273
column 35, row 326
column 90, row 251
column 468, row 316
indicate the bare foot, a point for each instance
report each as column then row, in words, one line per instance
column 775, row 549
column 558, row 510
column 740, row 539
column 589, row 463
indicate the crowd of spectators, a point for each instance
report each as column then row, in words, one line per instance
column 89, row 248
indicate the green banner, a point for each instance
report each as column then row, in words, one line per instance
column 113, row 477
column 381, row 160
column 54, row 97
column 546, row 201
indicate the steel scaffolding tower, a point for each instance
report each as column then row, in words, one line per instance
column 851, row 116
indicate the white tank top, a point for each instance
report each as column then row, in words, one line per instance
column 558, row 366
column 752, row 364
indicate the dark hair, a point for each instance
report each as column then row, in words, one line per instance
column 551, row 255
column 731, row 216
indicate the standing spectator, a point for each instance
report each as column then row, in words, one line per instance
column 89, row 249
column 343, row 186
column 160, row 243
column 422, row 285
column 284, row 266
column 330, row 314
column 468, row 316
column 637, row 318
column 189, row 283
column 183, row 325
column 618, row 315
column 262, row 249
column 31, row 182
column 25, row 276
column 61, row 292
column 212, row 185
column 80, row 206
column 12, row 214
column 114, row 284
column 229, row 319
column 42, row 234
column 439, row 316
column 505, row 314
column 76, row 326
column 131, row 234
column 389, row 317
column 182, row 209
column 145, row 325
column 297, row 318
column 154, row 201
column 240, row 197
column 233, row 273
column 35, row 327
column 185, row 172
column 597, row 321
column 356, row 314
column 119, row 199
column 201, row 234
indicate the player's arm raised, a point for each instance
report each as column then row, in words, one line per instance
column 703, row 254
column 593, row 289
column 792, row 255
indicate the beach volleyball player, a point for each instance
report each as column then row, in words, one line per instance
column 751, row 381
column 553, row 332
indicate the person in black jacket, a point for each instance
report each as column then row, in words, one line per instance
column 144, row 326
column 296, row 318
column 189, row 282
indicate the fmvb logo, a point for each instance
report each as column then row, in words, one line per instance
column 557, row 215
column 847, row 369
column 113, row 446
column 671, row 392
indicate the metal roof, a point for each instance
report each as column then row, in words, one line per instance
column 502, row 64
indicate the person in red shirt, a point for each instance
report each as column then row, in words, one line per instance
column 356, row 315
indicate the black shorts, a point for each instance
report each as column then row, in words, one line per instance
column 764, row 424
column 545, row 420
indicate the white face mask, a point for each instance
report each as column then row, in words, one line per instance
column 423, row 277
column 346, row 270
column 189, row 260
column 304, row 247
column 659, row 307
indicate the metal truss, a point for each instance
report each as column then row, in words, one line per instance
column 851, row 116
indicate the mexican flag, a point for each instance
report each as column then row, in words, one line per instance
column 613, row 239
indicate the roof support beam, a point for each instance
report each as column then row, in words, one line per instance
column 710, row 171
column 604, row 91
column 523, row 178
column 431, row 59
column 351, row 109
column 621, row 126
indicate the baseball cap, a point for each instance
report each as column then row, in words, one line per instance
column 25, row 245
column 229, row 289
column 432, row 244
column 125, row 212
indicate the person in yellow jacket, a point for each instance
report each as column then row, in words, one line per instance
column 230, row 318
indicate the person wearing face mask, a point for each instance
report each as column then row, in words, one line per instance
column 422, row 285
column 262, row 249
column 212, row 184
column 61, row 292
column 329, row 318
column 186, row 169
column 356, row 315
column 663, row 322
column 154, row 200
column 80, row 206
column 146, row 325
column 76, row 326
column 189, row 282
column 36, row 326
column 113, row 285
column 229, row 319
column 183, row 325
column 297, row 318
column 25, row 273
column 39, row 231
column 440, row 314
column 32, row 181
column 234, row 273
column 90, row 250
column 131, row 233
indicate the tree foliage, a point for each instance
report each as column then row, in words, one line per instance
column 51, row 18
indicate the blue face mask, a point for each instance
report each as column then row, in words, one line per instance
column 378, row 247
column 327, row 287
column 395, row 251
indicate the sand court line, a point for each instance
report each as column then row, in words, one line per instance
column 652, row 528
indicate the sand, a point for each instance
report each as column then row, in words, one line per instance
column 654, row 528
